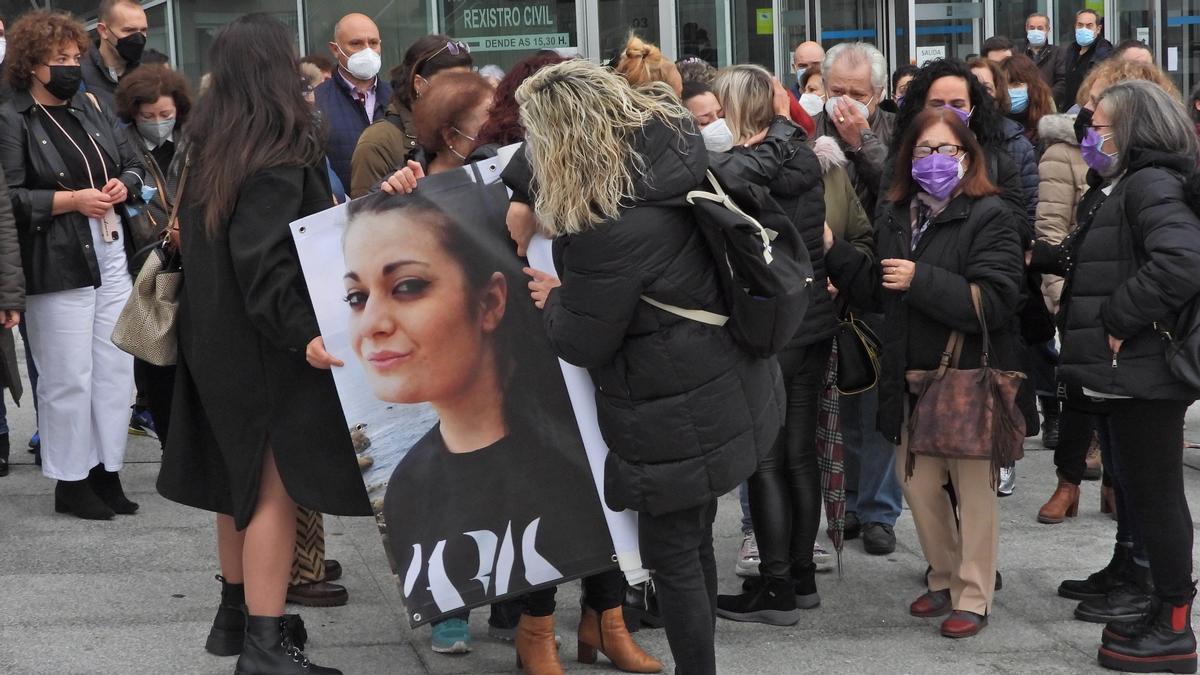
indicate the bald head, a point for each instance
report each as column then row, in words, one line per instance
column 807, row 54
column 352, row 34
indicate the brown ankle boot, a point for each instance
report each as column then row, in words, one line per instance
column 1063, row 504
column 537, row 652
column 606, row 633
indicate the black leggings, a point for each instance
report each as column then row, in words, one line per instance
column 1075, row 429
column 601, row 592
column 785, row 491
column 1147, row 438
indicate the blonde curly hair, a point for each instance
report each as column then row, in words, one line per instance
column 643, row 63
column 580, row 121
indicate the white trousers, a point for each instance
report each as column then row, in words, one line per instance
column 85, row 384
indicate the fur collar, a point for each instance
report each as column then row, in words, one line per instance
column 1057, row 129
column 828, row 153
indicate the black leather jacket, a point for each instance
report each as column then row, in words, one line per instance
column 56, row 251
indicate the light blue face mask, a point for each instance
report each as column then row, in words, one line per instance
column 1084, row 37
column 1018, row 100
column 1036, row 38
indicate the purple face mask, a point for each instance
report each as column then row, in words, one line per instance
column 1093, row 156
column 964, row 115
column 938, row 175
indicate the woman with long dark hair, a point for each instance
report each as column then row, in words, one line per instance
column 383, row 145
column 1029, row 97
column 256, row 428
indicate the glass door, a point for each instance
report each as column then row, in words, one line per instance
column 617, row 18
column 1181, row 37
column 791, row 28
column 939, row 30
column 847, row 21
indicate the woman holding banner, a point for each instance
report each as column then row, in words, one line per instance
column 685, row 412
column 256, row 429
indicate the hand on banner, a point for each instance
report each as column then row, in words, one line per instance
column 898, row 273
column 403, row 181
column 318, row 357
column 522, row 225
column 541, row 286
column 12, row 317
column 116, row 191
column 91, row 202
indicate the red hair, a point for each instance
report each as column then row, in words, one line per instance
column 503, row 125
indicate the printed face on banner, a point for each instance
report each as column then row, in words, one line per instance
column 456, row 404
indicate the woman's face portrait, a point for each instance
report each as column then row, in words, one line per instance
column 419, row 329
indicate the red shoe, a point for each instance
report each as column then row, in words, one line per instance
column 932, row 603
column 962, row 624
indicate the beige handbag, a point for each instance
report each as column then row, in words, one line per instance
column 146, row 327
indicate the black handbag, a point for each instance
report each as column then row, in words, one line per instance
column 858, row 356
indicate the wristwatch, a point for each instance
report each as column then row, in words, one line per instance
column 864, row 136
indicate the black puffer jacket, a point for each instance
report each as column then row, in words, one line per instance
column 1024, row 158
column 786, row 165
column 971, row 241
column 685, row 412
column 1134, row 265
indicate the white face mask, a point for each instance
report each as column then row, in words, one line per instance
column 831, row 106
column 812, row 103
column 717, row 136
column 3, row 48
column 363, row 64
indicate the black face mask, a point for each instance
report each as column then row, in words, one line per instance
column 1082, row 121
column 64, row 81
column 131, row 47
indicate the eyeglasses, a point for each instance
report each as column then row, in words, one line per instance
column 947, row 149
column 1098, row 127
column 455, row 47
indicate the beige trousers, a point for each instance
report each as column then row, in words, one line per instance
column 962, row 555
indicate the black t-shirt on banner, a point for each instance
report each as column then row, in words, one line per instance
column 465, row 528
column 77, row 176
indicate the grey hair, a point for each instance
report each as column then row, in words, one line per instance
column 1142, row 115
column 1037, row 15
column 858, row 53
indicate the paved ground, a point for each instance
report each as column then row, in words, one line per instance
column 135, row 595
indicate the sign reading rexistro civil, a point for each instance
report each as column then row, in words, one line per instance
column 503, row 26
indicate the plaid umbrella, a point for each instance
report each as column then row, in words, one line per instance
column 830, row 457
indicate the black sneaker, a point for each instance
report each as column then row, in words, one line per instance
column 1128, row 602
column 878, row 539
column 772, row 601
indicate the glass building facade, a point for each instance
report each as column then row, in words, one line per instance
column 719, row 31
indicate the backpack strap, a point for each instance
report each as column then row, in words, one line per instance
column 698, row 315
column 719, row 196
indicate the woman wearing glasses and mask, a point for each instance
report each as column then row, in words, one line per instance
column 941, row 229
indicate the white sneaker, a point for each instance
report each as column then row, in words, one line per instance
column 822, row 558
column 1008, row 481
column 747, row 562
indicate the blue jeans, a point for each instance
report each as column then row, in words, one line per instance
column 875, row 496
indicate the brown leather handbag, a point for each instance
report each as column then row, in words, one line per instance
column 966, row 414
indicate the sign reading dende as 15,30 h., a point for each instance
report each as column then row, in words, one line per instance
column 508, row 26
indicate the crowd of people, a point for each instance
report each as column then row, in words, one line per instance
column 1028, row 213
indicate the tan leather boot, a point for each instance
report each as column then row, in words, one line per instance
column 606, row 633
column 537, row 652
column 1063, row 504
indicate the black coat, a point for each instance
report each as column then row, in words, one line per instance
column 56, row 251
column 96, row 77
column 971, row 241
column 786, row 165
column 1024, row 159
column 1051, row 61
column 243, row 383
column 686, row 413
column 1135, row 264
column 1079, row 65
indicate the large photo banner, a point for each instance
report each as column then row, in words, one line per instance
column 468, row 442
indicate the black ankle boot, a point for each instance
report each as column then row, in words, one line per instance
column 3, row 455
column 1165, row 644
column 228, row 631
column 76, row 497
column 804, row 577
column 769, row 600
column 1128, row 602
column 107, row 486
column 270, row 650
column 1098, row 584
column 1050, row 415
column 641, row 607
